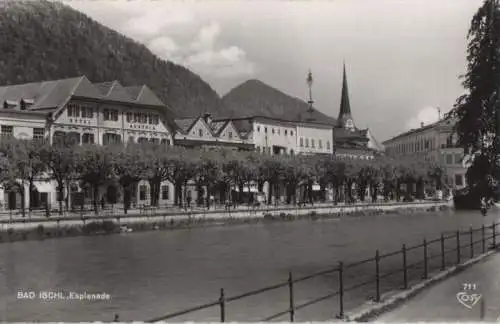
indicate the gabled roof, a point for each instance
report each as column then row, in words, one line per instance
column 53, row 95
column 185, row 124
column 134, row 91
column 218, row 126
column 147, row 97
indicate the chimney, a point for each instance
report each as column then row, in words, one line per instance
column 421, row 124
column 207, row 117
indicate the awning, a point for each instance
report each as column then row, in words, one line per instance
column 44, row 186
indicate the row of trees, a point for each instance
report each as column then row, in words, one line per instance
column 218, row 171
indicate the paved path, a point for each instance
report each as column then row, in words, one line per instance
column 440, row 302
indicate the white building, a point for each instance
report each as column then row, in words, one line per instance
column 90, row 113
column 278, row 136
column 314, row 138
column 434, row 142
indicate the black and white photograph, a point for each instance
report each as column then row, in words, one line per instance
column 249, row 161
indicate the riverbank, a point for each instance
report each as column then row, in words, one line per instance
column 40, row 229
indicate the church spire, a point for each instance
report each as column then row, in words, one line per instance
column 345, row 116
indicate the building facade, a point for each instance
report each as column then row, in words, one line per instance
column 204, row 131
column 435, row 142
column 102, row 113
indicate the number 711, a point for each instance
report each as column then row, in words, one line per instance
column 469, row 286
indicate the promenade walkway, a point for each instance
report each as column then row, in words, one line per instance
column 441, row 302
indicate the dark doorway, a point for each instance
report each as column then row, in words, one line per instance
column 12, row 200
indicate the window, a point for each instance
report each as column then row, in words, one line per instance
column 144, row 118
column 230, row 135
column 142, row 192
column 320, row 144
column 88, row 138
column 38, row 134
column 200, row 132
column 110, row 138
column 278, row 131
column 258, row 128
column 328, row 145
column 273, row 130
column 307, row 142
column 458, row 158
column 291, row 151
column 265, row 130
column 22, row 105
column 164, row 193
column 449, row 141
column 286, row 132
column 156, row 119
column 449, row 159
column 312, row 143
column 87, row 112
column 142, row 140
column 301, row 142
column 73, row 110
column 7, row 130
column 291, row 133
column 137, row 118
column 129, row 117
column 459, row 180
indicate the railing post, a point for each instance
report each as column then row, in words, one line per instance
column 341, row 290
column 494, row 228
column 377, row 276
column 442, row 253
column 482, row 238
column 222, row 303
column 290, row 289
column 425, row 260
column 458, row 247
column 471, row 243
column 405, row 268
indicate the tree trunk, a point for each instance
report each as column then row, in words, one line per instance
column 96, row 197
column 240, row 192
column 60, row 190
column 23, row 202
column 269, row 192
column 126, row 197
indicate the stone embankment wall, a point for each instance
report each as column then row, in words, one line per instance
column 19, row 229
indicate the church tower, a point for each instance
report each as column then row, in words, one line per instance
column 345, row 117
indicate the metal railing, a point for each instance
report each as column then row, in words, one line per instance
column 114, row 213
column 423, row 267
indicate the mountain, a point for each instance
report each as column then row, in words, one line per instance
column 254, row 97
column 42, row 40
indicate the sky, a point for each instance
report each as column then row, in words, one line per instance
column 403, row 57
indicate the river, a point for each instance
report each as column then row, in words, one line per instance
column 149, row 274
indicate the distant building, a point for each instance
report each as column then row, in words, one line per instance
column 100, row 113
column 434, row 142
column 276, row 136
column 204, row 131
